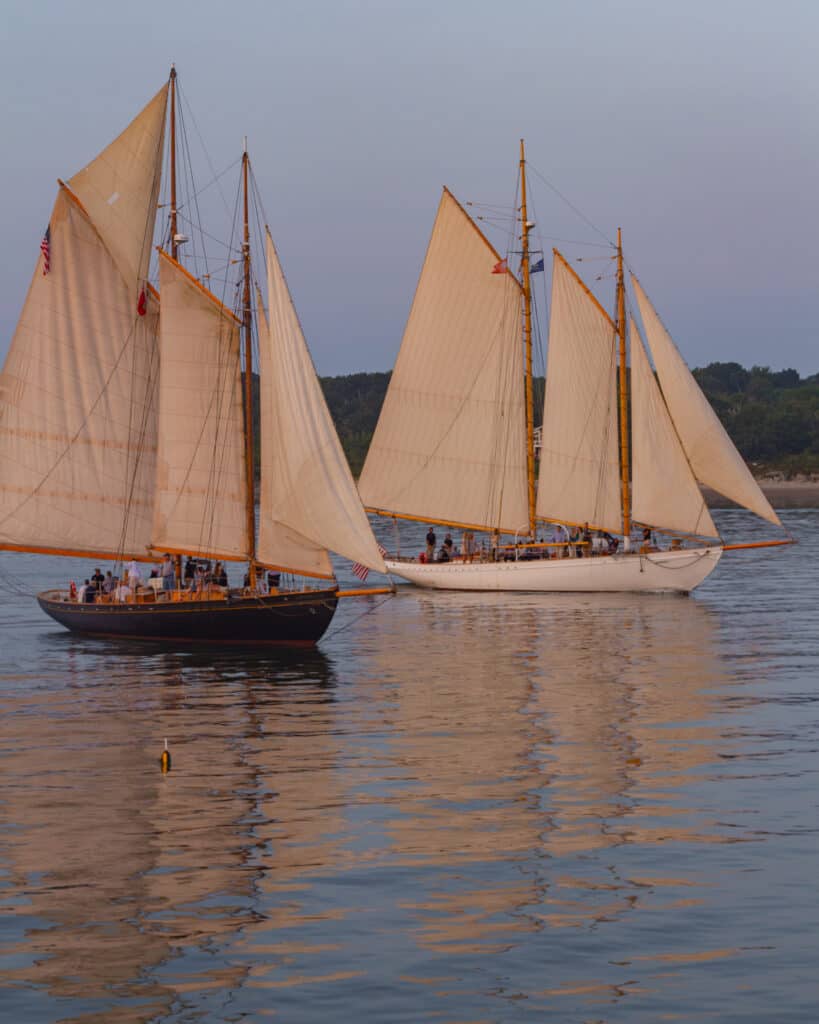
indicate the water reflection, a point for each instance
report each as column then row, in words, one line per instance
column 458, row 778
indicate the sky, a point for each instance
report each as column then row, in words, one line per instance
column 691, row 126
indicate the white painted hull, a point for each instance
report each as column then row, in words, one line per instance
column 657, row 571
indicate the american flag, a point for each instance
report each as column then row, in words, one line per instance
column 361, row 571
column 45, row 249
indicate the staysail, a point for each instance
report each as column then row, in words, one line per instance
column 308, row 498
column 664, row 492
column 450, row 444
column 78, row 389
column 579, row 471
column 200, row 480
column 710, row 451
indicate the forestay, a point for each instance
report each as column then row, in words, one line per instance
column 78, row 389
column 711, row 453
column 450, row 444
column 664, row 492
column 308, row 498
column 200, row 481
column 579, row 470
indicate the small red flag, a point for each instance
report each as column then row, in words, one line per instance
column 500, row 268
column 142, row 307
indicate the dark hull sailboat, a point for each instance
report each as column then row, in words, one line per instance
column 290, row 619
column 127, row 418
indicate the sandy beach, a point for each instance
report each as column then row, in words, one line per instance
column 801, row 493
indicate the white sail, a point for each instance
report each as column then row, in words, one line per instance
column 450, row 444
column 119, row 190
column 78, row 402
column 710, row 451
column 307, row 491
column 664, row 492
column 579, row 479
column 200, row 478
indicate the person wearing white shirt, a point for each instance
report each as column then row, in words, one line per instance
column 134, row 575
column 122, row 593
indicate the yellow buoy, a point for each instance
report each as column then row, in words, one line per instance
column 165, row 759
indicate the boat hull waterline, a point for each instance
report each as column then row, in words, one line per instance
column 655, row 571
column 297, row 619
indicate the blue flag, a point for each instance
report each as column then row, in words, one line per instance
column 537, row 268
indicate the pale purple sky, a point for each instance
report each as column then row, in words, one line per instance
column 692, row 126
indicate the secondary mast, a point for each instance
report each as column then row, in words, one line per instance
column 527, row 341
column 174, row 244
column 247, row 326
column 623, row 388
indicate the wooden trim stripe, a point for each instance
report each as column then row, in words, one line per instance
column 758, row 544
column 559, row 256
column 109, row 556
column 227, row 313
column 438, row 522
column 483, row 238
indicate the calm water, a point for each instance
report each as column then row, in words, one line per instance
column 462, row 808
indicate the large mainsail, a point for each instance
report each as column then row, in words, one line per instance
column 450, row 444
column 78, row 389
column 200, row 478
column 664, row 492
column 710, row 451
column 579, row 478
column 308, row 500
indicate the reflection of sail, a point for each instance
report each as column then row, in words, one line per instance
column 562, row 717
column 114, row 868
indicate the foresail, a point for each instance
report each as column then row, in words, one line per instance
column 78, row 403
column 711, row 453
column 450, row 444
column 307, row 492
column 579, row 479
column 119, row 191
column 664, row 492
column 200, row 475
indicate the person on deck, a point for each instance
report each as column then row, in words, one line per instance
column 82, row 591
column 168, row 573
column 134, row 574
column 190, row 572
column 108, row 584
column 443, row 555
column 431, row 545
column 98, row 579
column 122, row 592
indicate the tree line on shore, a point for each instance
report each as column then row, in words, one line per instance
column 771, row 415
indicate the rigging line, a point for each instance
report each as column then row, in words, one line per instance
column 190, row 187
column 216, row 177
column 571, row 205
column 352, row 622
column 205, row 234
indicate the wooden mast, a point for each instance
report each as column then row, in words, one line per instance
column 247, row 322
column 174, row 246
column 527, row 341
column 621, row 331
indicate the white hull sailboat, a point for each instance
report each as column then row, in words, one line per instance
column 454, row 445
column 652, row 572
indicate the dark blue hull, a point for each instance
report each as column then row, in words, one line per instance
column 290, row 619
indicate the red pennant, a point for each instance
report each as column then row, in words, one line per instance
column 142, row 303
column 500, row 268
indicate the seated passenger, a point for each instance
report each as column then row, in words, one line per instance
column 443, row 555
column 122, row 591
